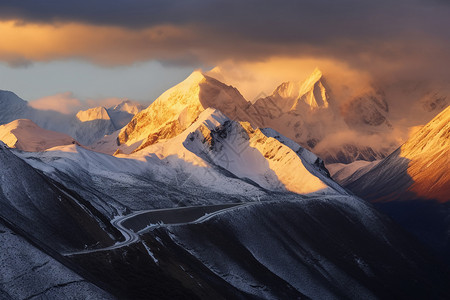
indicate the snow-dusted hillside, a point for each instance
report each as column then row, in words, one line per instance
column 45, row 210
column 116, row 185
column 26, row 272
column 25, row 135
column 312, row 248
column 13, row 107
column 260, row 155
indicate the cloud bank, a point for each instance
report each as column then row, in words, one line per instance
column 68, row 103
column 407, row 39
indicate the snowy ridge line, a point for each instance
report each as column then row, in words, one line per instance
column 55, row 255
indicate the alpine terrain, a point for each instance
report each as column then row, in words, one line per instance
column 85, row 126
column 205, row 195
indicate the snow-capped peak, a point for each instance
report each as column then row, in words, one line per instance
column 127, row 106
column 260, row 155
column 177, row 108
column 193, row 79
column 311, row 92
column 96, row 113
column 314, row 77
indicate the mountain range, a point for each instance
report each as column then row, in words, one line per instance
column 85, row 126
column 306, row 111
column 204, row 194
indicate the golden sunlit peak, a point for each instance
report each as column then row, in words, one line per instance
column 96, row 113
column 317, row 73
column 310, row 91
column 312, row 79
column 195, row 76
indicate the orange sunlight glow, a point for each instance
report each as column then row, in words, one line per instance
column 64, row 103
column 68, row 103
column 102, row 44
column 262, row 77
column 429, row 161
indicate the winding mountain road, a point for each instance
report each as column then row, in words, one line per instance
column 138, row 222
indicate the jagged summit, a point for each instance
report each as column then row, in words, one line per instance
column 295, row 89
column 313, row 91
column 294, row 95
column 261, row 155
column 315, row 76
column 185, row 92
column 127, row 106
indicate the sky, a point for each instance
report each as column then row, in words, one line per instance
column 102, row 51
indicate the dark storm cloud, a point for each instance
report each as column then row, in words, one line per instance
column 261, row 20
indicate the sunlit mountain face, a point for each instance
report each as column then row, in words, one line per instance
column 412, row 184
column 216, row 150
column 417, row 170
